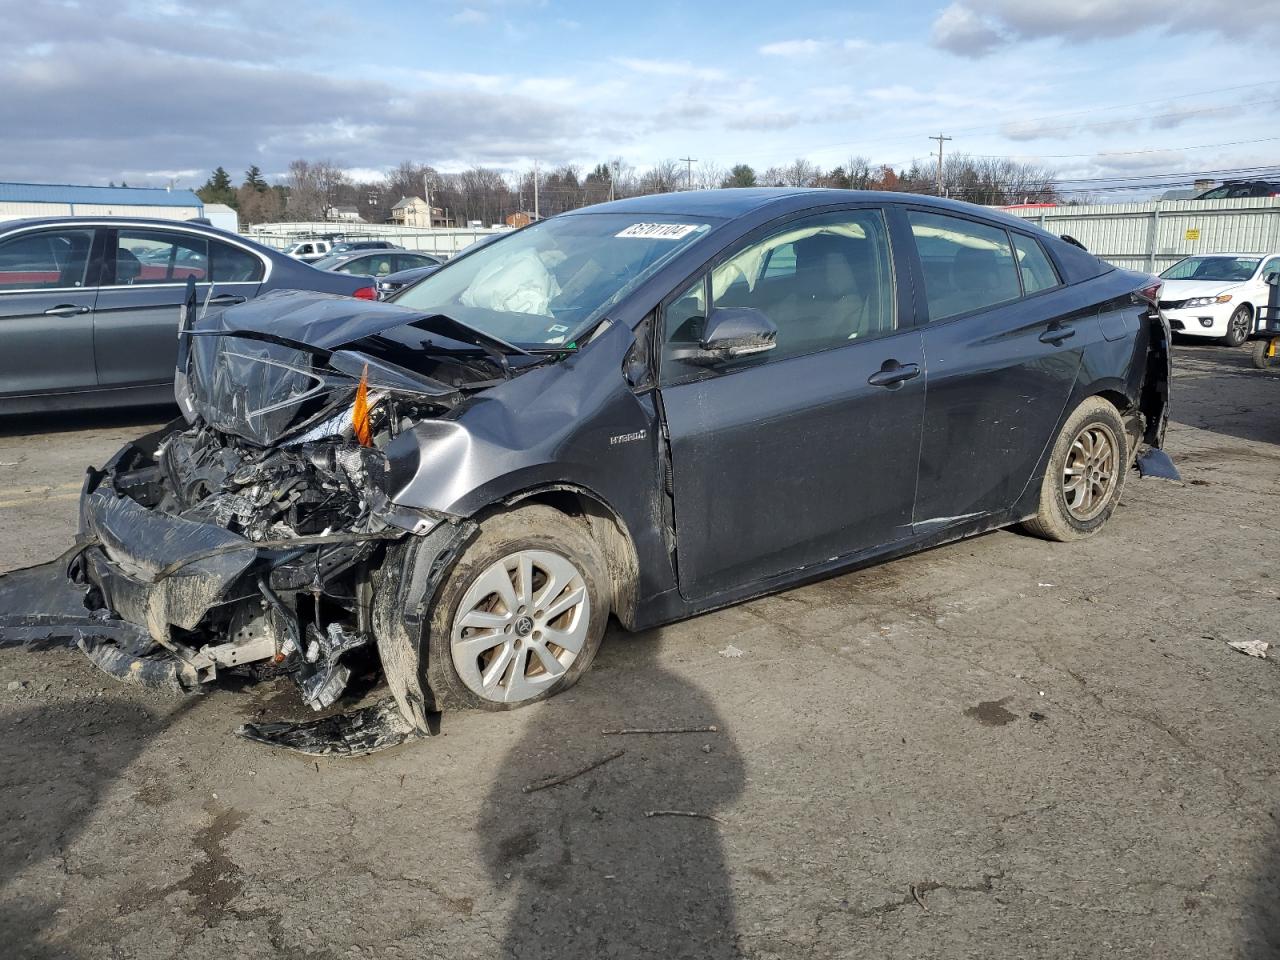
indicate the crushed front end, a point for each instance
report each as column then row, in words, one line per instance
column 257, row 536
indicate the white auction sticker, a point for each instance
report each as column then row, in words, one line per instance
column 659, row 231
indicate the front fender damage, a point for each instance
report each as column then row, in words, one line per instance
column 177, row 579
column 402, row 592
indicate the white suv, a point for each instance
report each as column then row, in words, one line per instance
column 1217, row 294
column 309, row 251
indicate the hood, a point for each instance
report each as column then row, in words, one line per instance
column 269, row 369
column 322, row 320
column 1189, row 289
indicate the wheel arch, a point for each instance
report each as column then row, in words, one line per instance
column 606, row 527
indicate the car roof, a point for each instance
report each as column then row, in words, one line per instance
column 6, row 225
column 729, row 203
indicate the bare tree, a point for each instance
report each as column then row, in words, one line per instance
column 709, row 175
column 663, row 177
column 314, row 188
column 801, row 173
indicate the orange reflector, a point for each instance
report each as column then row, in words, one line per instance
column 360, row 412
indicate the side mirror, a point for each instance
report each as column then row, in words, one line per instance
column 1272, row 277
column 732, row 332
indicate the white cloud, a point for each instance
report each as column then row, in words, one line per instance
column 794, row 48
column 811, row 48
column 960, row 30
column 469, row 16
column 670, row 68
column 975, row 28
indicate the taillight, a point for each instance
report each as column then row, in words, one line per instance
column 1151, row 292
column 366, row 293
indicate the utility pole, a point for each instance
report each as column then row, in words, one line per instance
column 426, row 191
column 536, row 214
column 940, row 138
column 688, row 183
column 613, row 181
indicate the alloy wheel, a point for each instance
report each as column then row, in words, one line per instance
column 520, row 626
column 1091, row 471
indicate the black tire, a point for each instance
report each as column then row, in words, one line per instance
column 1259, row 354
column 1058, row 519
column 531, row 528
column 1239, row 326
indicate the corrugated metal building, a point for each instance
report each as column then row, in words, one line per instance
column 61, row 200
column 1153, row 235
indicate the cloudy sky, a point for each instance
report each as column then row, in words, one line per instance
column 145, row 90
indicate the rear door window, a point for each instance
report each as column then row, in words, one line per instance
column 47, row 259
column 1034, row 265
column 234, row 265
column 967, row 265
column 144, row 257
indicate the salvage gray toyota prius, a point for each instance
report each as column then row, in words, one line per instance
column 648, row 408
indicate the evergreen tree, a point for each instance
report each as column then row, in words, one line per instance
column 218, row 189
column 740, row 175
column 253, row 178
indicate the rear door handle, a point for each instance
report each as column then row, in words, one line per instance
column 893, row 373
column 1056, row 335
column 225, row 300
column 65, row 310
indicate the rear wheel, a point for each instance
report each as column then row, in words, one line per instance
column 1239, row 326
column 521, row 615
column 1085, row 475
column 1263, row 356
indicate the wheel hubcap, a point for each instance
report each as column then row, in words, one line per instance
column 1240, row 325
column 520, row 626
column 1090, row 474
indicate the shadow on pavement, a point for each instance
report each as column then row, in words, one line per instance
column 587, row 873
column 69, row 421
column 60, row 761
column 1261, row 939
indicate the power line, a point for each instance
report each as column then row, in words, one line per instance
column 1075, row 113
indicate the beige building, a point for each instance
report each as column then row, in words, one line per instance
column 413, row 212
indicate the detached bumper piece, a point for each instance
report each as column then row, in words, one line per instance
column 1156, row 463
column 352, row 734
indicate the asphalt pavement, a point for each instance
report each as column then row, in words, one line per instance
column 999, row 748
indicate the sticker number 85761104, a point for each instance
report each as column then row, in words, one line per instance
column 658, row 231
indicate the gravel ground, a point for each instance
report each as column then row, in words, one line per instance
column 1003, row 747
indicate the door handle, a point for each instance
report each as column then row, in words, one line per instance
column 1055, row 335
column 65, row 310
column 893, row 373
column 225, row 300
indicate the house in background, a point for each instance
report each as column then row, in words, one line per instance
column 67, row 200
column 414, row 212
column 347, row 212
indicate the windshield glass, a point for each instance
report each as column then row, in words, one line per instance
column 547, row 283
column 1212, row 268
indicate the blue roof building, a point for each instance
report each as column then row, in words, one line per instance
column 56, row 200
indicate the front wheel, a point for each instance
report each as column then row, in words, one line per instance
column 521, row 615
column 1085, row 475
column 1263, row 356
column 1239, row 327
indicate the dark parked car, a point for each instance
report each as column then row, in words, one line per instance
column 348, row 246
column 89, row 306
column 645, row 409
column 1235, row 189
column 394, row 282
column 379, row 263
